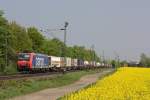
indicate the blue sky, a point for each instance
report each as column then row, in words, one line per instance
column 120, row 26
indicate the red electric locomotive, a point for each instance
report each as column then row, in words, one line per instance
column 32, row 61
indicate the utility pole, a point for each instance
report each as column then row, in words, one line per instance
column 65, row 34
column 100, row 57
column 6, row 51
column 93, row 54
column 117, row 58
column 103, row 57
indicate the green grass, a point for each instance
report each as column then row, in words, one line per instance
column 12, row 88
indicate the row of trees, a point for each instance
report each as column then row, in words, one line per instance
column 15, row 38
column 145, row 60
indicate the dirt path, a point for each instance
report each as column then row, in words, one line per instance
column 54, row 93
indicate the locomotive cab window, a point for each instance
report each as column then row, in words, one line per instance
column 24, row 57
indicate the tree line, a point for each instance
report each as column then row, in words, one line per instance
column 15, row 38
column 144, row 60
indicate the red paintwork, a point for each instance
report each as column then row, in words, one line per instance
column 27, row 64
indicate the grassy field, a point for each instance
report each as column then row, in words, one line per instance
column 11, row 88
column 125, row 84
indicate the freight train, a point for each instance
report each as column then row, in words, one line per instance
column 41, row 62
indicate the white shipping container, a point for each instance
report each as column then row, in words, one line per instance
column 68, row 62
column 86, row 63
column 74, row 62
column 103, row 64
column 98, row 64
column 54, row 61
column 92, row 63
column 62, row 62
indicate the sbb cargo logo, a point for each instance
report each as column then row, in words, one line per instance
column 39, row 61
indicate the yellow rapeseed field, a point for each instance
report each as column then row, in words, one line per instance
column 128, row 83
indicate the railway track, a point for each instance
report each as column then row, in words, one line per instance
column 19, row 75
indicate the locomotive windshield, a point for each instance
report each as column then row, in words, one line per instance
column 23, row 56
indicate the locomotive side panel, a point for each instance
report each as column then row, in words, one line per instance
column 40, row 61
